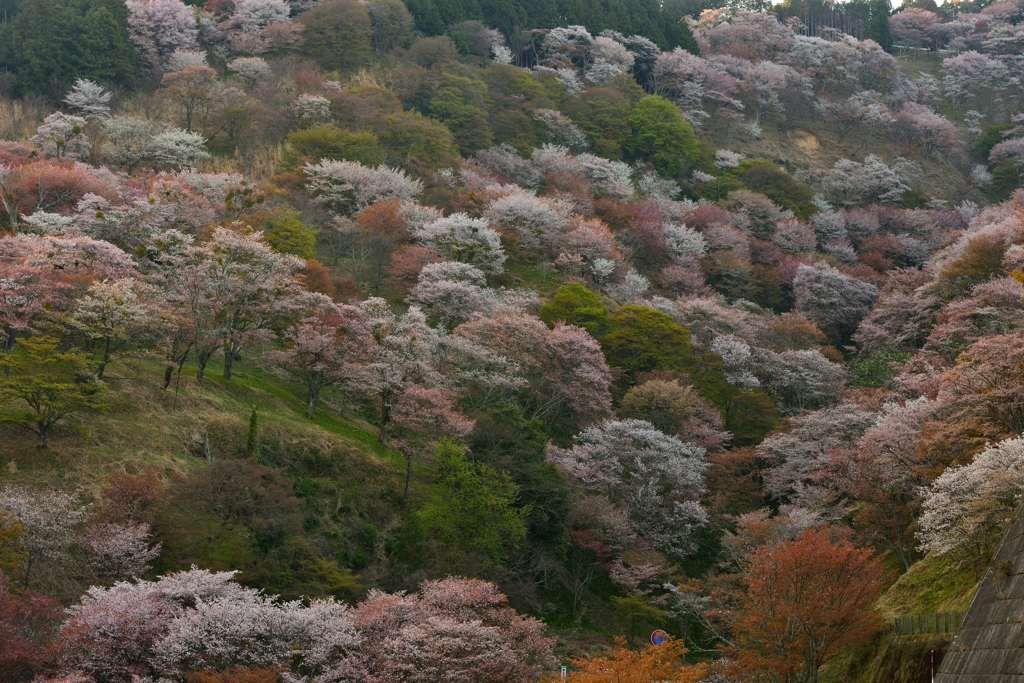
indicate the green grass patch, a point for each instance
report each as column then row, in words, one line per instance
column 935, row 584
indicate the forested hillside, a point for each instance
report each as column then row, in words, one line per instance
column 437, row 341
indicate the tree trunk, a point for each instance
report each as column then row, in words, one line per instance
column 168, row 374
column 385, row 421
column 201, row 362
column 28, row 568
column 106, row 359
column 408, row 473
column 310, row 403
column 229, row 359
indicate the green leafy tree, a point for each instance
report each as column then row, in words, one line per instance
column 252, row 435
column 509, row 441
column 330, row 142
column 603, row 114
column 46, row 385
column 641, row 339
column 336, row 34
column 49, row 43
column 780, row 187
column 658, row 133
column 286, row 234
column 461, row 105
column 877, row 368
column 1006, row 177
column 239, row 514
column 472, row 506
column 990, row 137
column 576, row 305
column 411, row 140
column 391, row 24
column 632, row 612
column 878, row 23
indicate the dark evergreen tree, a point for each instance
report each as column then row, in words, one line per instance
column 878, row 23
column 50, row 43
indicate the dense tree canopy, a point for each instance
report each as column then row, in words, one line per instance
column 352, row 296
column 49, row 43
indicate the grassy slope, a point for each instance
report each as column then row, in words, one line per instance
column 349, row 482
column 144, row 428
column 935, row 584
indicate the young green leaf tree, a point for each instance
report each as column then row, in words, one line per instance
column 660, row 134
column 575, row 305
column 472, row 506
column 46, row 385
column 113, row 314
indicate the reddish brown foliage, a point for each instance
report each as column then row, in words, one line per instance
column 806, row 600
column 792, row 331
column 982, row 401
column 316, row 277
column 47, row 185
column 615, row 214
column 733, row 479
column 27, row 620
column 982, row 260
column 131, row 497
column 307, row 82
column 644, row 234
column 877, row 260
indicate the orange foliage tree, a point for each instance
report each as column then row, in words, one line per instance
column 654, row 664
column 806, row 600
column 382, row 228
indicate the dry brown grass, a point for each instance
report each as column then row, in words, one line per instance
column 20, row 118
column 259, row 164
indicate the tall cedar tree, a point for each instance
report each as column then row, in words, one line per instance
column 46, row 44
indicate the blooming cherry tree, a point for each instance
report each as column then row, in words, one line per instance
column 344, row 187
column 565, row 371
column 968, row 506
column 49, row 521
column 535, row 220
column 89, row 98
column 451, row 629
column 835, row 302
column 118, row 551
column 468, row 240
column 655, row 479
column 401, row 358
column 114, row 314
column 253, row 286
column 159, row 27
column 452, row 292
column 324, row 349
column 62, row 136
column 195, row 620
column 250, row 70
